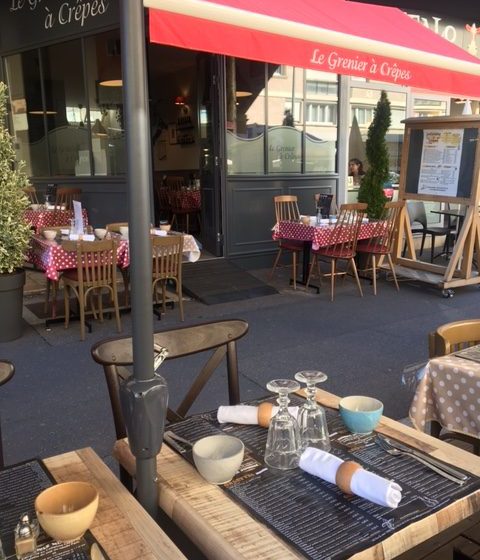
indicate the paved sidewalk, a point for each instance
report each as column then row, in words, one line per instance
column 58, row 400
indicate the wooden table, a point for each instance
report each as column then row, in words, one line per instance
column 121, row 526
column 223, row 530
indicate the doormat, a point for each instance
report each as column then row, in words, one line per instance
column 221, row 281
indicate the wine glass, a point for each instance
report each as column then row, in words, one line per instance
column 283, row 447
column 311, row 416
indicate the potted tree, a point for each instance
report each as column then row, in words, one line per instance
column 371, row 186
column 14, row 231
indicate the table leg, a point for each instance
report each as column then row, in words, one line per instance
column 307, row 245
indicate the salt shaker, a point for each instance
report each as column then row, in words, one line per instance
column 25, row 537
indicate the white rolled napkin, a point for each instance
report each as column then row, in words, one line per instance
column 244, row 414
column 82, row 237
column 363, row 483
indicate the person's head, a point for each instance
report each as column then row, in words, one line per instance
column 355, row 167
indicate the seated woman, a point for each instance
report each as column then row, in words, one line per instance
column 355, row 170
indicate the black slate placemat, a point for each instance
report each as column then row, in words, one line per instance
column 313, row 515
column 470, row 353
column 20, row 484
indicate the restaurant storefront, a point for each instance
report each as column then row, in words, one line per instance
column 245, row 128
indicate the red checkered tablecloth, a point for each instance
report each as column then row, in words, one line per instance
column 320, row 236
column 51, row 257
column 49, row 218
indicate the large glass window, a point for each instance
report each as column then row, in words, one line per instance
column 66, row 123
column 288, row 114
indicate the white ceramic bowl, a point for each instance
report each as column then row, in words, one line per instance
column 49, row 234
column 360, row 415
column 100, row 233
column 65, row 511
column 218, row 458
column 165, row 227
column 124, row 231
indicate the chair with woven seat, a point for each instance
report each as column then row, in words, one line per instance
column 417, row 214
column 7, row 370
column 65, row 196
column 167, row 266
column 286, row 209
column 446, row 339
column 96, row 271
column 380, row 245
column 212, row 341
column 342, row 246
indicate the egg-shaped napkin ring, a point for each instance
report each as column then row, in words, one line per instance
column 264, row 414
column 344, row 475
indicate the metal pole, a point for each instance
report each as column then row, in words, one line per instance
column 135, row 97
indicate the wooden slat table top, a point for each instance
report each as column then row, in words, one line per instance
column 121, row 526
column 223, row 530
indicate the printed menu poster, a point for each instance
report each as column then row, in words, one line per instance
column 440, row 165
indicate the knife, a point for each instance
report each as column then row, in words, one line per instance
column 427, row 458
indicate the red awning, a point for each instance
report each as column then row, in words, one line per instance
column 339, row 36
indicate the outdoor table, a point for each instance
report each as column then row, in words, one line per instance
column 315, row 237
column 122, row 527
column 223, row 529
column 39, row 219
column 449, row 393
column 186, row 199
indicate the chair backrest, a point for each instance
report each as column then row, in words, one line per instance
column 58, row 229
column 176, row 182
column 454, row 336
column 7, row 370
column 416, row 212
column 326, row 203
column 96, row 262
column 384, row 231
column 286, row 208
column 167, row 257
column 31, row 192
column 115, row 227
column 344, row 236
column 65, row 197
column 219, row 337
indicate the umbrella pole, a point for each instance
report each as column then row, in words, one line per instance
column 136, row 124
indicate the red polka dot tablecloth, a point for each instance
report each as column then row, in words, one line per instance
column 47, row 218
column 186, row 200
column 51, row 257
column 449, row 393
column 320, row 236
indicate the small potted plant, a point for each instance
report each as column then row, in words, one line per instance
column 14, row 231
column 371, row 186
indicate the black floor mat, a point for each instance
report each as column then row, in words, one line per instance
column 220, row 281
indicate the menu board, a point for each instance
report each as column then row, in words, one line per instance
column 441, row 162
column 312, row 515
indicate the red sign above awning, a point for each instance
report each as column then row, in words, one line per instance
column 338, row 36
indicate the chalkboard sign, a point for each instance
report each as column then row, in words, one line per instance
column 441, row 162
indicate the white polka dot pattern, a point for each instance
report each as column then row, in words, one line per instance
column 449, row 393
column 319, row 236
column 48, row 218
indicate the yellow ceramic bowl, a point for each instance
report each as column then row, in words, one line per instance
column 65, row 511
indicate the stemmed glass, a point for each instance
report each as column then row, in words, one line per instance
column 311, row 416
column 283, row 447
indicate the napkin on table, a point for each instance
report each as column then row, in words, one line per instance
column 365, row 484
column 244, row 414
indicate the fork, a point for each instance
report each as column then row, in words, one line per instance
column 395, row 452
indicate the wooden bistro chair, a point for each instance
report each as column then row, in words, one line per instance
column 65, row 197
column 96, row 271
column 342, row 246
column 7, row 370
column 380, row 245
column 286, row 209
column 167, row 265
column 31, row 193
column 213, row 341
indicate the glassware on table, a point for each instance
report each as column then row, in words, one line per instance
column 47, row 201
column 284, row 446
column 311, row 418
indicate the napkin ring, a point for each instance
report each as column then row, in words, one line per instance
column 264, row 414
column 344, row 475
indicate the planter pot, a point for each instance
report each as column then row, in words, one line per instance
column 11, row 304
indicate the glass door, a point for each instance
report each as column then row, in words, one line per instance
column 211, row 148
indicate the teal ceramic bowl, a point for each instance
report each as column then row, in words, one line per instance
column 360, row 415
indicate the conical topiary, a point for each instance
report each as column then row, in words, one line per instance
column 14, row 231
column 371, row 187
